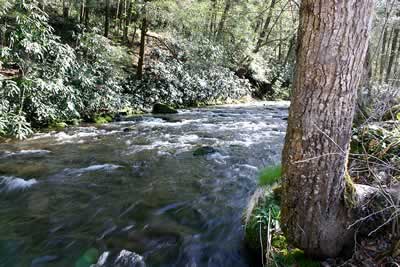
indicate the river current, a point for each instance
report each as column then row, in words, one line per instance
column 139, row 185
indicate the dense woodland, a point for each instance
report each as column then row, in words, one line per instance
column 67, row 61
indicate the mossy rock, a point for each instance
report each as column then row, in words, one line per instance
column 88, row 258
column 163, row 109
column 58, row 125
column 101, row 119
column 74, row 122
column 204, row 150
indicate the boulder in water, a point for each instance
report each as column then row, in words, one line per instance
column 124, row 259
column 163, row 109
column 204, row 150
column 129, row 259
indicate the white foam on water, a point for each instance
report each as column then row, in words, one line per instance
column 92, row 168
column 217, row 157
column 157, row 122
column 82, row 132
column 11, row 183
column 25, row 152
column 248, row 166
column 188, row 138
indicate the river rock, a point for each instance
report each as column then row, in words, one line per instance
column 125, row 258
column 163, row 109
column 204, row 150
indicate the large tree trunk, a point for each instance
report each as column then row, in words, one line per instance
column 333, row 40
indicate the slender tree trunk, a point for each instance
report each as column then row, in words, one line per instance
column 87, row 14
column 65, row 4
column 213, row 17
column 224, row 16
column 396, row 66
column 128, row 18
column 41, row 5
column 392, row 53
column 383, row 54
column 261, row 38
column 333, row 40
column 107, row 19
column 133, row 36
column 142, row 46
column 82, row 12
column 290, row 50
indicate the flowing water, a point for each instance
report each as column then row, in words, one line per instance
column 138, row 185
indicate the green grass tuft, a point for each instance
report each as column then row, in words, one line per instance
column 270, row 175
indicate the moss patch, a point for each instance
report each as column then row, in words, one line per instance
column 270, row 175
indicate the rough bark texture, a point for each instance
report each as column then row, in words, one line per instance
column 333, row 39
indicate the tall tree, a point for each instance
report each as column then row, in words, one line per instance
column 87, row 14
column 392, row 52
column 107, row 19
column 221, row 24
column 333, row 40
column 261, row 38
column 65, row 8
column 383, row 54
column 128, row 18
column 139, row 72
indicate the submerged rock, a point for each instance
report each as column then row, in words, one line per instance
column 163, row 109
column 11, row 183
column 205, row 150
column 125, row 258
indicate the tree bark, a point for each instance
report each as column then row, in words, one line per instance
column 65, row 9
column 107, row 19
column 142, row 45
column 332, row 43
